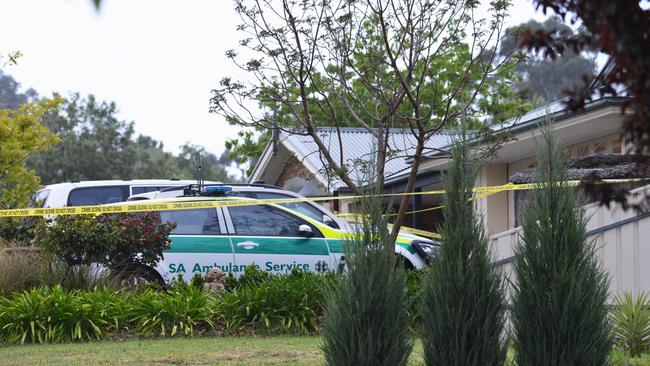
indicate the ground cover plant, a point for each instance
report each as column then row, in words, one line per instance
column 258, row 303
column 274, row 304
column 50, row 315
column 176, row 311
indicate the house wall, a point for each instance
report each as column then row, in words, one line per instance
column 621, row 240
column 494, row 208
column 498, row 210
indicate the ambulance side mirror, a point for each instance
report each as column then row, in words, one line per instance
column 328, row 220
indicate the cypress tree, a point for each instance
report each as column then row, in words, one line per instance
column 559, row 310
column 366, row 319
column 463, row 302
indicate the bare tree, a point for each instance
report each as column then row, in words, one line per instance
column 419, row 65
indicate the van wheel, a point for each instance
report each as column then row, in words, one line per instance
column 129, row 277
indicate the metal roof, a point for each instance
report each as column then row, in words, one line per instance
column 359, row 147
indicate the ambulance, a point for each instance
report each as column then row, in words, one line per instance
column 274, row 238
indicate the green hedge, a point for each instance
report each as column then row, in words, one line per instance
column 254, row 303
column 257, row 303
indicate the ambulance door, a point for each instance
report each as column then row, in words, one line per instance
column 198, row 243
column 275, row 240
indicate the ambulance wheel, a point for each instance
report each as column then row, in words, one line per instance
column 404, row 263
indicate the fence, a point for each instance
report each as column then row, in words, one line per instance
column 622, row 239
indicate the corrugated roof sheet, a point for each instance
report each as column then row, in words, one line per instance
column 359, row 147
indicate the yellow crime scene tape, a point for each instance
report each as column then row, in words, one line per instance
column 209, row 202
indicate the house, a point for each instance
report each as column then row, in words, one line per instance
column 295, row 163
column 594, row 143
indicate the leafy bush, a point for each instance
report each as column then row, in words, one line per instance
column 21, row 135
column 291, row 303
column 47, row 315
column 177, row 311
column 116, row 241
column 631, row 323
column 78, row 239
column 53, row 271
column 21, row 231
column 139, row 239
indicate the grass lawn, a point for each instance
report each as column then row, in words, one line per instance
column 181, row 351
column 196, row 351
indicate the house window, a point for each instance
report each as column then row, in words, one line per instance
column 521, row 202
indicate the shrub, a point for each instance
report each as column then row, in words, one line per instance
column 463, row 297
column 631, row 323
column 287, row 303
column 414, row 295
column 21, row 230
column 118, row 241
column 197, row 280
column 252, row 277
column 177, row 311
column 559, row 311
column 53, row 271
column 19, row 270
column 24, row 268
column 366, row 318
column 139, row 239
column 47, row 315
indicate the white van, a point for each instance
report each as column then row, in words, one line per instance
column 99, row 192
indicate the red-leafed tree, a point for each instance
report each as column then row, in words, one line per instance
column 621, row 30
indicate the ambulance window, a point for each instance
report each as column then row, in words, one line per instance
column 300, row 207
column 193, row 222
column 97, row 195
column 265, row 221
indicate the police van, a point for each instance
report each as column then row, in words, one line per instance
column 269, row 236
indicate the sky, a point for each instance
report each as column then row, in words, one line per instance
column 156, row 59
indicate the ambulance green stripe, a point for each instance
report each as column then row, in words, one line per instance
column 267, row 245
column 200, row 244
column 336, row 246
